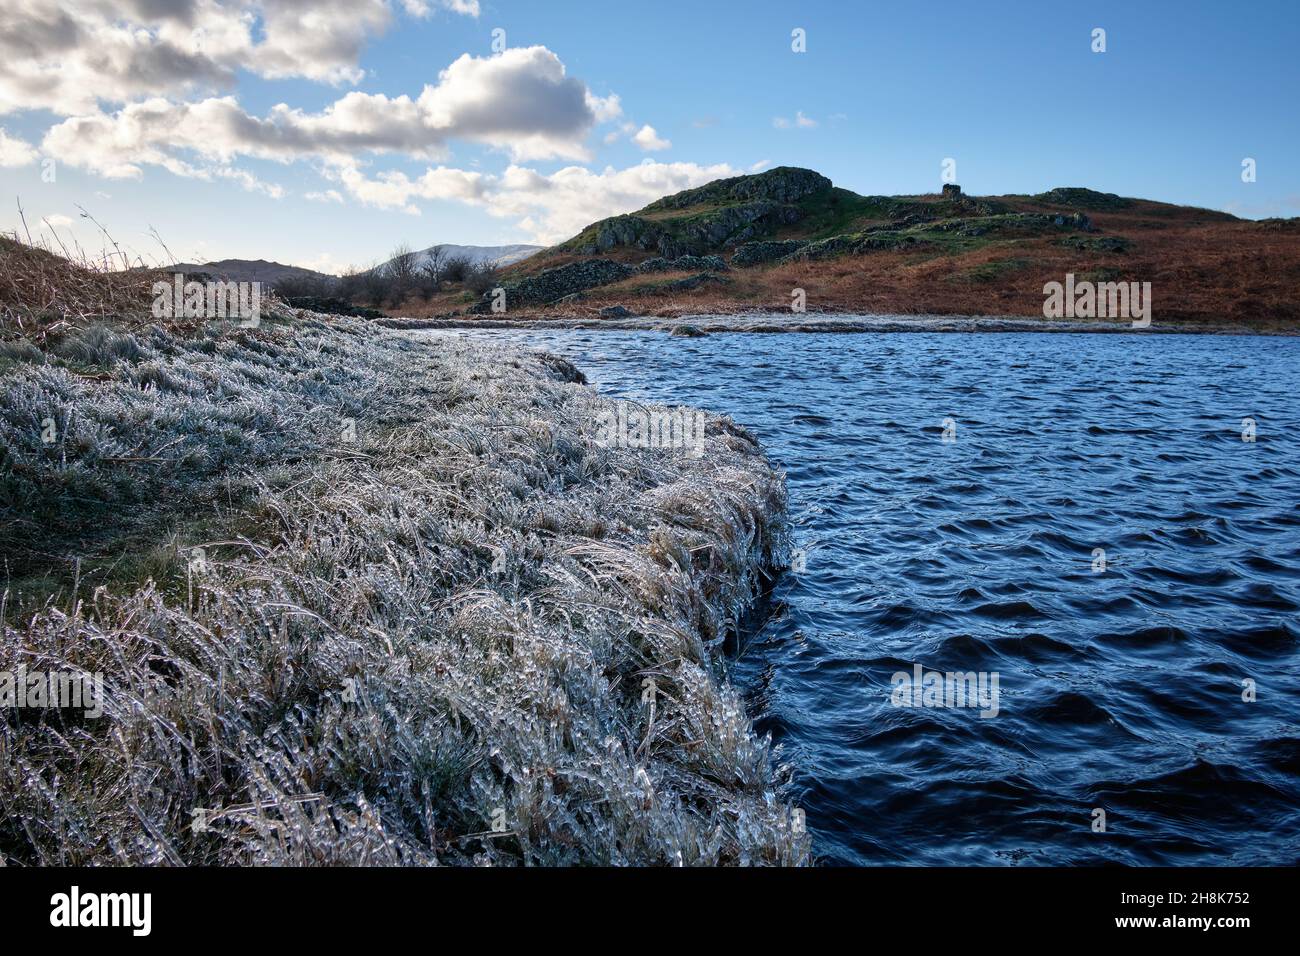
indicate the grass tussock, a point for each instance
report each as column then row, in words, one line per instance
column 432, row 620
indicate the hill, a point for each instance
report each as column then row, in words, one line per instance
column 477, row 255
column 814, row 219
column 745, row 243
column 252, row 270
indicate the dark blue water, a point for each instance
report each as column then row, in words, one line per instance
column 1120, row 690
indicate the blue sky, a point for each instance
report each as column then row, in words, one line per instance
column 885, row 92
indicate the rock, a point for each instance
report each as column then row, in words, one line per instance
column 1097, row 244
column 627, row 231
column 1077, row 220
column 756, row 253
column 688, row 332
column 553, row 285
column 785, row 184
column 730, row 212
column 1081, row 198
column 951, row 191
column 851, row 244
column 694, row 282
column 615, row 312
column 683, row 264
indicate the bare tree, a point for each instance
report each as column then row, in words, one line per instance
column 431, row 271
column 482, row 277
column 402, row 272
column 457, row 268
column 375, row 285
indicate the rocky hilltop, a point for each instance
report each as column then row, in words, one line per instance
column 743, row 243
column 722, row 213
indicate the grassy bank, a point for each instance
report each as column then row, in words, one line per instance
column 361, row 598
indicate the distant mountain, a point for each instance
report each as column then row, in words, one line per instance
column 251, row 270
column 501, row 255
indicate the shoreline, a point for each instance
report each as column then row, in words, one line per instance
column 768, row 322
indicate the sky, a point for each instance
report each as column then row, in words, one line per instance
column 325, row 134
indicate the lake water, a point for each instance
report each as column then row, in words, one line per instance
column 971, row 547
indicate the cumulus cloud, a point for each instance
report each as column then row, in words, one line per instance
column 549, row 207
column 649, row 140
column 70, row 56
column 14, row 151
column 520, row 101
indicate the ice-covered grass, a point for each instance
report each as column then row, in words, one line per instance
column 432, row 620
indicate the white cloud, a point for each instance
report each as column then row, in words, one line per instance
column 14, row 151
column 648, row 139
column 70, row 56
column 521, row 101
column 800, row 121
column 57, row 220
column 424, row 8
column 550, row 207
column 605, row 108
column 329, row 195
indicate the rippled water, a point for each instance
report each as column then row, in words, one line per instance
column 1118, row 689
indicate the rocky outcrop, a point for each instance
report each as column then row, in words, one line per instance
column 853, row 244
column 552, row 285
column 1081, row 198
column 694, row 282
column 757, row 253
column 785, row 184
column 725, row 213
column 689, row 236
column 628, row 231
column 1097, row 243
column 683, row 264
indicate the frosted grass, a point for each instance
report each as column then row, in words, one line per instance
column 422, row 639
